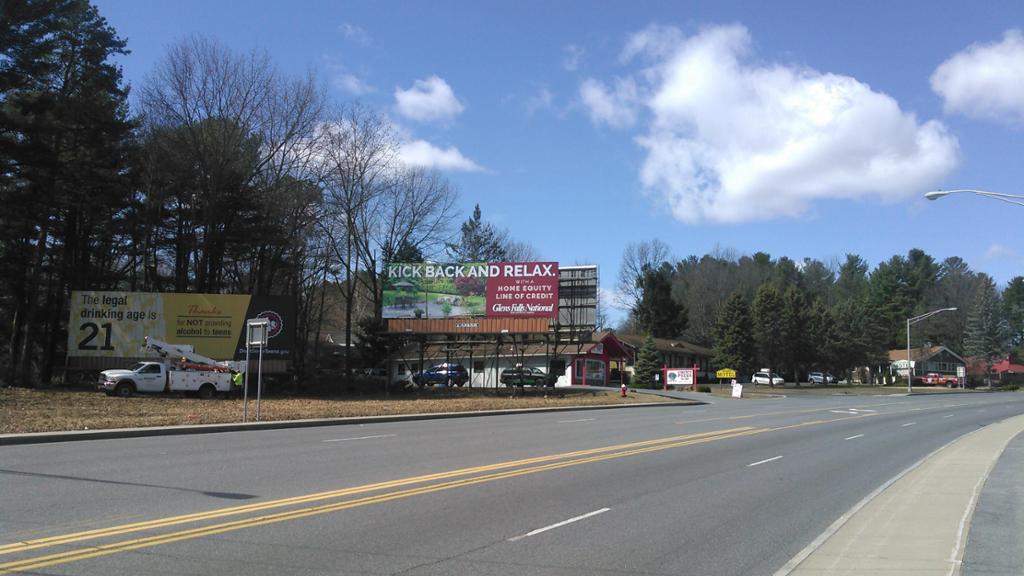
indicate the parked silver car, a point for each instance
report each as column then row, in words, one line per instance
column 820, row 378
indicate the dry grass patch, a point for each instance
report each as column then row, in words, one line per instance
column 26, row 410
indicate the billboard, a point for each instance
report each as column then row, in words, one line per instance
column 113, row 324
column 431, row 290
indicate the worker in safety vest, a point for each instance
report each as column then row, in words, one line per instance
column 237, row 380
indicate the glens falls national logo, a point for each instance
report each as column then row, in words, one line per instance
column 276, row 323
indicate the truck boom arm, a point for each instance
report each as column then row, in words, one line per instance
column 165, row 349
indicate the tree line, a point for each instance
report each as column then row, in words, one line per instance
column 221, row 174
column 799, row 316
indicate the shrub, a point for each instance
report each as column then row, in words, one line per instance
column 704, row 388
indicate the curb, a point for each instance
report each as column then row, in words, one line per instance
column 80, row 435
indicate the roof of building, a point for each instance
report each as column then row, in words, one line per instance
column 977, row 365
column 919, row 354
column 667, row 345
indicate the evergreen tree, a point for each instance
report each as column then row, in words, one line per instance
column 818, row 280
column 734, row 345
column 407, row 253
column 480, row 241
column 853, row 278
column 822, row 338
column 769, row 330
column 986, row 328
column 795, row 318
column 65, row 141
column 1013, row 302
column 861, row 339
column 658, row 313
column 647, row 363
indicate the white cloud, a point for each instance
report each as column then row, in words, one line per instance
column 544, row 99
column 352, row 84
column 428, row 100
column 731, row 139
column 423, row 154
column 355, row 34
column 1000, row 252
column 614, row 299
column 571, row 56
column 617, row 107
column 985, row 80
column 654, row 41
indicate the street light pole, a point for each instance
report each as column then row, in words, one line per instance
column 914, row 320
column 1016, row 199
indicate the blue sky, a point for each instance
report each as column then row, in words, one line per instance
column 801, row 129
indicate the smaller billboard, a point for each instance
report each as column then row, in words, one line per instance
column 429, row 290
column 679, row 376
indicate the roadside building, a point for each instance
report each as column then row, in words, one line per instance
column 598, row 359
column 1004, row 372
column 674, row 353
column 925, row 360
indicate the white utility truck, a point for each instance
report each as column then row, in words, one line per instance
column 181, row 370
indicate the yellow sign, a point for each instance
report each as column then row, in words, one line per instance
column 114, row 323
column 725, row 373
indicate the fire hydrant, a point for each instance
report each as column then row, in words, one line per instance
column 622, row 390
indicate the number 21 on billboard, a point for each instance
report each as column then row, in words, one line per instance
column 90, row 331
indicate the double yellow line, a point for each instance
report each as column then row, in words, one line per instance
column 441, row 481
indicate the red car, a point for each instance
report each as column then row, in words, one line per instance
column 936, row 379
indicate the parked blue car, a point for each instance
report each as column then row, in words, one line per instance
column 448, row 374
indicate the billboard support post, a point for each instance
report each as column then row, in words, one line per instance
column 256, row 330
column 245, row 393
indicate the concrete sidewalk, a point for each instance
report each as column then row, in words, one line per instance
column 918, row 522
column 995, row 546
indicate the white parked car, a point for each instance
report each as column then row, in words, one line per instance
column 762, row 377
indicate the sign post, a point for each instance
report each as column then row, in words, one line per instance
column 961, row 375
column 256, row 331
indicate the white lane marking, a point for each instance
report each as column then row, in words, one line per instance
column 362, row 438
column 948, row 416
column 854, row 437
column 571, row 421
column 764, row 461
column 559, row 524
column 907, row 424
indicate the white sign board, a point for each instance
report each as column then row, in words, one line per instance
column 961, row 371
column 256, row 331
column 679, row 376
column 737, row 390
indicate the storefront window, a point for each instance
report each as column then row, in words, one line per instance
column 595, row 372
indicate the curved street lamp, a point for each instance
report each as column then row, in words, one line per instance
column 915, row 320
column 1009, row 198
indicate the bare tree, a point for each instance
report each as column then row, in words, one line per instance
column 358, row 159
column 414, row 212
column 636, row 257
column 518, row 251
column 226, row 138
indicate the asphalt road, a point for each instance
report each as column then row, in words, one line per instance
column 737, row 487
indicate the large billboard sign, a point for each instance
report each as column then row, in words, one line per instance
column 494, row 290
column 113, row 324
